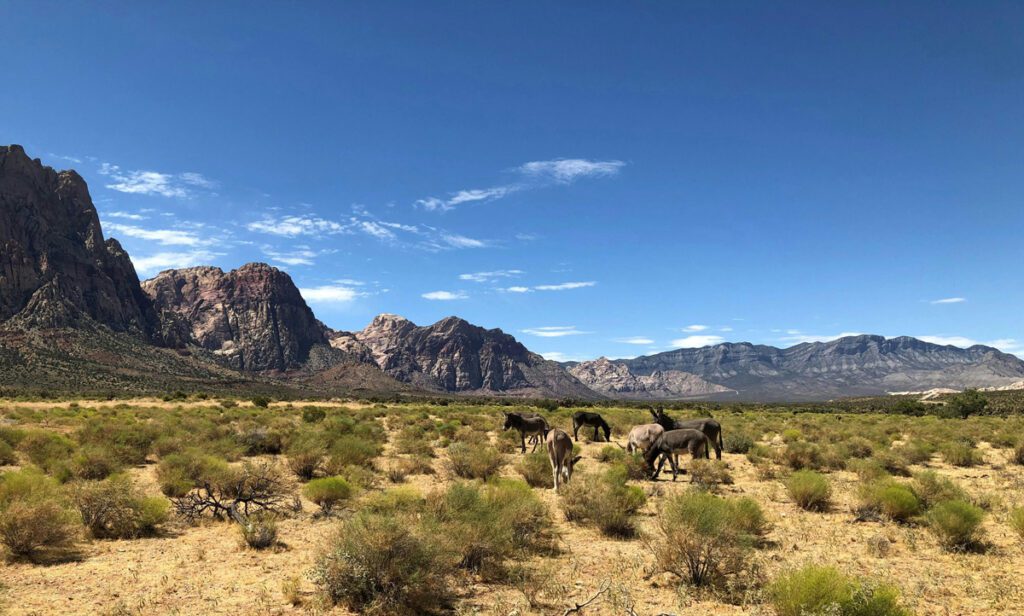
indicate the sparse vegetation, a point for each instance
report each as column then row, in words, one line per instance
column 605, row 501
column 474, row 461
column 328, row 492
column 956, row 524
column 824, row 590
column 810, row 490
column 35, row 515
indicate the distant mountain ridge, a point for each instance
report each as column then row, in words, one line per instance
column 74, row 316
column 851, row 366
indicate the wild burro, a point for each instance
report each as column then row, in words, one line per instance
column 642, row 437
column 560, row 455
column 707, row 425
column 671, row 443
column 584, row 418
column 527, row 426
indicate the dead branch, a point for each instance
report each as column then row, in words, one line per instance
column 578, row 609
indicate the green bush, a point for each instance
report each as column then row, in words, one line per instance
column 260, row 402
column 474, row 461
column 811, row 491
column 893, row 500
column 35, row 514
column 893, row 461
column 610, row 453
column 485, row 525
column 385, row 565
column 709, row 474
column 932, row 488
column 350, row 450
column 259, row 530
column 917, row 451
column 47, row 450
column 305, row 455
column 1018, row 454
column 536, row 470
column 179, row 473
column 961, row 454
column 605, row 501
column 956, row 524
column 857, row 447
column 801, row 455
column 115, row 509
column 1016, row 521
column 824, row 590
column 328, row 492
column 260, row 440
column 93, row 463
column 7, row 455
column 737, row 442
column 705, row 538
column 313, row 414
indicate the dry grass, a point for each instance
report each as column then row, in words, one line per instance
column 203, row 569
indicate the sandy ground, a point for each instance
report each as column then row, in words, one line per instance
column 206, row 570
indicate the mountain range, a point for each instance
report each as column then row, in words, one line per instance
column 74, row 316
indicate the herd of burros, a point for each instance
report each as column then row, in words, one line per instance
column 659, row 441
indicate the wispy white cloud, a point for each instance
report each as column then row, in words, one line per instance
column 294, row 226
column 300, row 255
column 165, row 237
column 124, row 215
column 693, row 342
column 461, row 241
column 491, row 276
column 567, row 170
column 444, row 296
column 634, row 340
column 949, row 300
column 160, row 261
column 564, row 286
column 1006, row 345
column 534, row 174
column 554, row 331
column 695, row 328
column 725, row 329
column 142, row 182
column 560, row 356
column 515, row 290
column 330, row 294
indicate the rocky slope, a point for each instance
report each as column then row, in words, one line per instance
column 453, row 355
column 252, row 318
column 850, row 366
column 615, row 380
column 56, row 270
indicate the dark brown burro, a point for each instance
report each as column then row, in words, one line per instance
column 707, row 425
column 672, row 442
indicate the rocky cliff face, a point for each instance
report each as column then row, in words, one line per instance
column 850, row 366
column 55, row 267
column 615, row 380
column 453, row 355
column 252, row 318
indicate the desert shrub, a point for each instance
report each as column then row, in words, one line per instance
column 888, row 498
column 394, row 501
column 1016, row 521
column 328, row 492
column 737, row 442
column 474, row 461
column 536, row 470
column 611, row 453
column 260, row 402
column 305, row 455
column 129, row 443
column 35, row 514
column 383, row 565
column 167, row 444
column 605, row 501
column 633, row 466
column 228, row 403
column 359, row 476
column 917, row 451
column 259, row 530
column 11, row 435
column 824, row 590
column 94, row 463
column 350, row 450
column 414, row 440
column 961, row 454
column 237, row 493
column 47, row 450
column 709, row 474
column 800, row 455
column 867, row 469
column 1018, row 454
column 811, row 491
column 966, row 403
column 706, row 538
column 893, row 462
column 484, row 525
column 115, row 509
column 792, row 435
column 759, row 453
column 956, row 524
column 857, row 447
column 260, row 440
column 7, row 455
column 313, row 414
column 179, row 473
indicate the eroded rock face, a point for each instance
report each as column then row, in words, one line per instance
column 253, row 318
column 55, row 267
column 454, row 355
column 615, row 380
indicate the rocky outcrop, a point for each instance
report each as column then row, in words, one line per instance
column 454, row 355
column 252, row 318
column 849, row 366
column 55, row 267
column 615, row 380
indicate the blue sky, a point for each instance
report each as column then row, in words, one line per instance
column 594, row 178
